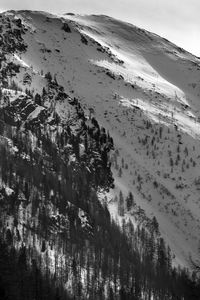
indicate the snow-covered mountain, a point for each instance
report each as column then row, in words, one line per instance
column 145, row 91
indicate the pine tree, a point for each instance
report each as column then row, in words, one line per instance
column 129, row 201
column 121, row 204
column 38, row 99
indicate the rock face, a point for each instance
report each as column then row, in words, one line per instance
column 99, row 155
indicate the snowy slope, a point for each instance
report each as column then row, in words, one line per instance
column 146, row 92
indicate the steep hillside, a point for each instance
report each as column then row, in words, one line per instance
column 82, row 96
column 152, row 111
column 145, row 91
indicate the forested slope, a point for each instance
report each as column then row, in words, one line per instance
column 58, row 240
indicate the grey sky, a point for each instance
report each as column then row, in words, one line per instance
column 177, row 20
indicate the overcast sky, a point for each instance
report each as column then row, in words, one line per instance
column 177, row 20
